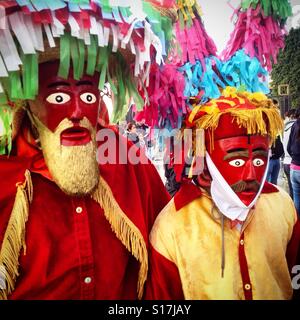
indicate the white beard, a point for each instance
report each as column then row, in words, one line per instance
column 74, row 168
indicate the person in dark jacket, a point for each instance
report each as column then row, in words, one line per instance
column 293, row 149
column 287, row 158
column 274, row 164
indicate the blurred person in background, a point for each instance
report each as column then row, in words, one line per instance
column 287, row 158
column 274, row 163
column 293, row 149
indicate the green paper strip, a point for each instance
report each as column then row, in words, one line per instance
column 74, row 57
column 102, row 66
column 181, row 20
column 6, row 87
column 81, row 50
column 106, row 6
column 6, row 122
column 30, row 76
column 16, row 91
column 139, row 101
column 111, row 82
column 79, row 2
column 26, row 76
column 92, row 56
column 121, row 93
column 3, row 99
column 168, row 28
column 64, row 65
column 279, row 9
column 102, row 78
column 34, row 75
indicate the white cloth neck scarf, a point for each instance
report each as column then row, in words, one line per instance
column 225, row 198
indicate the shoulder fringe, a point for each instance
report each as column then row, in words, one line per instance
column 14, row 237
column 124, row 229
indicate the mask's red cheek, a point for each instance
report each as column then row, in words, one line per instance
column 89, row 111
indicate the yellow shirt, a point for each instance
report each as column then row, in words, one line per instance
column 255, row 263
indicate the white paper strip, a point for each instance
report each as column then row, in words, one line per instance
column 54, row 31
column 80, row 34
column 86, row 37
column 128, row 35
column 12, row 47
column 3, row 71
column 137, row 10
column 9, row 51
column 49, row 36
column 123, row 45
column 94, row 28
column 100, row 35
column 1, row 88
column 39, row 36
column 106, row 36
column 158, row 47
column 74, row 26
column 115, row 32
column 145, row 78
column 147, row 41
column 132, row 47
column 36, row 33
column 25, row 39
column 59, row 27
column 137, row 63
column 2, row 18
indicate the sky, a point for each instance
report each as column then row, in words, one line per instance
column 217, row 19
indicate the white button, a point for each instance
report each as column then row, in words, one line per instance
column 242, row 242
column 78, row 209
column 247, row 286
column 88, row 280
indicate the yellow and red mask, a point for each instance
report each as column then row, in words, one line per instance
column 238, row 131
column 242, row 161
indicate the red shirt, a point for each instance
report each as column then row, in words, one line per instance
column 71, row 251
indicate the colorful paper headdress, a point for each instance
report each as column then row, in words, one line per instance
column 237, row 113
column 85, row 34
column 165, row 105
column 253, row 46
column 225, row 95
column 238, row 75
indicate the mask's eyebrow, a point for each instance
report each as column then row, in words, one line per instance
column 85, row 83
column 58, row 84
column 260, row 152
column 236, row 153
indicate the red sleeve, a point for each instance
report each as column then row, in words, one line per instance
column 163, row 281
column 292, row 252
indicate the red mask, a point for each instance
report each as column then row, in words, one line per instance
column 60, row 98
column 242, row 161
